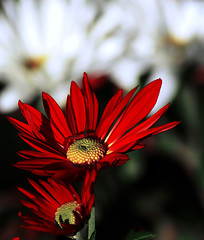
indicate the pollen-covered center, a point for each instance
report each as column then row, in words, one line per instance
column 64, row 213
column 85, row 151
column 35, row 62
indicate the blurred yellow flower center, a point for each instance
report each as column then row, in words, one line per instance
column 64, row 213
column 35, row 62
column 176, row 41
column 85, row 151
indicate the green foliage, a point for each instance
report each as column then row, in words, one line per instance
column 93, row 236
column 132, row 235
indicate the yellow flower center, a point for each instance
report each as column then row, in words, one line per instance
column 85, row 151
column 64, row 213
column 176, row 41
column 34, row 63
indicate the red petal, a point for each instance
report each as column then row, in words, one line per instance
column 113, row 159
column 141, row 127
column 29, row 154
column 49, row 227
column 34, row 164
column 39, row 145
column 22, row 127
column 56, row 115
column 91, row 105
column 141, row 104
column 111, row 112
column 78, row 106
column 45, row 194
column 44, row 210
column 64, row 173
column 61, row 193
column 132, row 138
column 138, row 146
column 88, row 190
column 40, row 125
column 33, row 124
column 28, row 194
column 75, row 194
column 70, row 116
column 60, row 170
column 152, row 120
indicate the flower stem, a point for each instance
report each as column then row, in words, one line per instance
column 91, row 224
column 78, row 236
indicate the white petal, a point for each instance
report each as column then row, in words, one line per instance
column 9, row 98
column 170, row 85
column 53, row 20
column 182, row 18
column 110, row 49
column 126, row 73
column 60, row 93
column 28, row 26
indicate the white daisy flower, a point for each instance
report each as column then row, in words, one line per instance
column 32, row 42
column 177, row 42
column 122, row 46
column 46, row 42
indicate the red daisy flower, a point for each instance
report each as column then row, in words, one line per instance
column 67, row 144
column 58, row 208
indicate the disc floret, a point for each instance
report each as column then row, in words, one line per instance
column 85, row 151
column 65, row 213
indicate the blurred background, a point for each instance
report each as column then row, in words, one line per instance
column 45, row 44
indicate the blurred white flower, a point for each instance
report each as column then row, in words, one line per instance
column 112, row 45
column 31, row 48
column 137, row 26
column 182, row 19
column 178, row 41
column 46, row 42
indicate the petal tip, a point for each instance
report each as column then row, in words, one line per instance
column 20, row 103
column 85, row 75
column 158, row 81
column 44, row 94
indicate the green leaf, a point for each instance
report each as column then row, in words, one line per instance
column 132, row 235
column 93, row 236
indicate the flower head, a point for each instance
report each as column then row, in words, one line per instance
column 45, row 42
column 32, row 48
column 69, row 144
column 58, row 208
